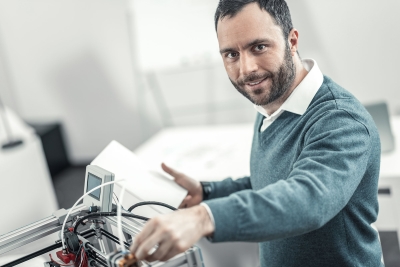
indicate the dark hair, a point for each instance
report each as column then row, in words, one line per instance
column 278, row 9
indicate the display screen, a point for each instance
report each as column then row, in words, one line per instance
column 92, row 182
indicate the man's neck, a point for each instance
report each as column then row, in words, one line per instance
column 301, row 72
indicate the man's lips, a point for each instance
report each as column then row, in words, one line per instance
column 254, row 84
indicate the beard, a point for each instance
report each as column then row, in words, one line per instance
column 281, row 81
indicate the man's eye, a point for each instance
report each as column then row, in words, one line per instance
column 260, row 47
column 232, row 55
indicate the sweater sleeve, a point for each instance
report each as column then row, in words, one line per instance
column 228, row 186
column 328, row 170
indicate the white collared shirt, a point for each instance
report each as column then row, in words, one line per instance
column 300, row 98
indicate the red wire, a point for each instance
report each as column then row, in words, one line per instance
column 83, row 257
column 86, row 257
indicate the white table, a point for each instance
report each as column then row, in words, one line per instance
column 390, row 162
column 389, row 205
column 206, row 153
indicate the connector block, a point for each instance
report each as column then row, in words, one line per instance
column 65, row 257
column 122, row 259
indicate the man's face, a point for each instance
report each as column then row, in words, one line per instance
column 256, row 56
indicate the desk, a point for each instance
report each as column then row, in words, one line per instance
column 389, row 204
column 206, row 153
column 390, row 162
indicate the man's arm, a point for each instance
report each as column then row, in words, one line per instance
column 195, row 189
column 324, row 178
column 228, row 186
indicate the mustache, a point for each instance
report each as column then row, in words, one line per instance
column 254, row 77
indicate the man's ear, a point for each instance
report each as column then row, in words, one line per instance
column 293, row 40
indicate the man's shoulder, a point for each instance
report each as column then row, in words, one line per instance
column 334, row 95
column 333, row 98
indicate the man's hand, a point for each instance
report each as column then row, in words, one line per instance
column 174, row 233
column 194, row 188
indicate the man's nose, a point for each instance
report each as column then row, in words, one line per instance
column 248, row 64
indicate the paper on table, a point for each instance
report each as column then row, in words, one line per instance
column 144, row 184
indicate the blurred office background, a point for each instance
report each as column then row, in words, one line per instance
column 123, row 70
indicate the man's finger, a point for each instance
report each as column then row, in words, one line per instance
column 169, row 170
column 145, row 247
column 179, row 178
column 185, row 202
column 163, row 249
column 143, row 235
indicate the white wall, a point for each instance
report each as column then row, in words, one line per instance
column 70, row 61
column 6, row 92
column 175, row 33
column 185, row 81
column 355, row 43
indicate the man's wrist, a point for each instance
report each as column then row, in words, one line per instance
column 206, row 189
column 205, row 221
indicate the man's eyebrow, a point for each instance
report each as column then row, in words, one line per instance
column 223, row 51
column 257, row 41
column 252, row 43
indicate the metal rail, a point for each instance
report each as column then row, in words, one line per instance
column 87, row 234
column 34, row 231
column 33, row 255
column 129, row 225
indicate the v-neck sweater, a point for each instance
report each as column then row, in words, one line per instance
column 311, row 196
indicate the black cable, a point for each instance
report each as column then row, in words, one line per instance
column 98, row 260
column 86, row 234
column 106, row 214
column 151, row 203
column 93, row 263
column 33, row 255
column 113, row 237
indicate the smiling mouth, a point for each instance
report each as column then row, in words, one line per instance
column 255, row 83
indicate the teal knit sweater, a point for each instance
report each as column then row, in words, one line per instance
column 312, row 193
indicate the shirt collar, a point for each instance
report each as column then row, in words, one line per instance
column 303, row 94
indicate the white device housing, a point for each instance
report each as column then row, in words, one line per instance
column 102, row 198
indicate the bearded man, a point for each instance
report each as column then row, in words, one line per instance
column 312, row 194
